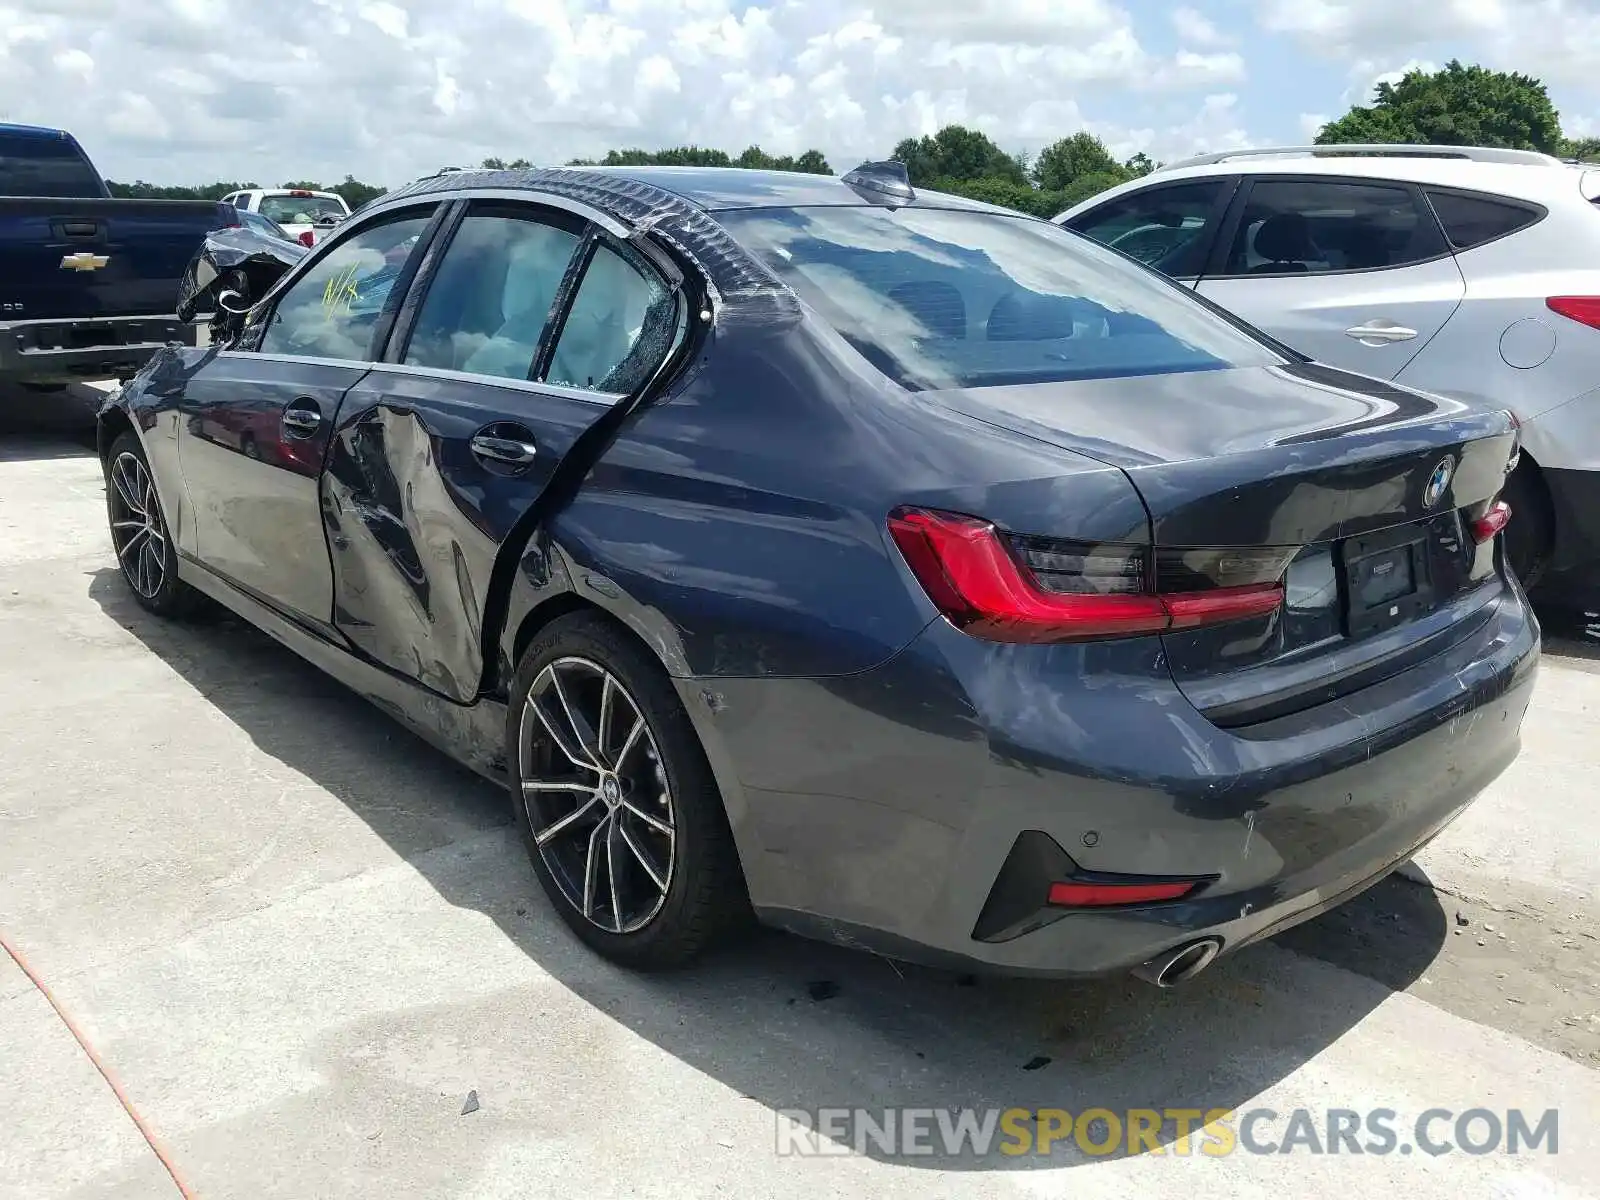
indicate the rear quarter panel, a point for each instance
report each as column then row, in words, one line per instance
column 739, row 526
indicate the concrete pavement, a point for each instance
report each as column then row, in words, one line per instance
column 300, row 938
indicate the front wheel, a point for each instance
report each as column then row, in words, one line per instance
column 616, row 802
column 139, row 534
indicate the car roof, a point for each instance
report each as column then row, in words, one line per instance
column 712, row 189
column 38, row 131
column 1547, row 181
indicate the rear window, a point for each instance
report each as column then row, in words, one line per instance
column 1473, row 220
column 941, row 299
column 299, row 210
column 33, row 165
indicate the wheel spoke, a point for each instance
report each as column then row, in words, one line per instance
column 150, row 567
column 611, row 872
column 588, row 759
column 557, row 827
column 644, row 859
column 135, row 542
column 125, row 486
column 591, row 869
column 563, row 741
column 654, row 822
column 603, row 727
column 630, row 742
column 134, row 523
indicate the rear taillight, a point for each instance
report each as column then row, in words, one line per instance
column 1033, row 589
column 307, row 239
column 1583, row 309
column 1491, row 523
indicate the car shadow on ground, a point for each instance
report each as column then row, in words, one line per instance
column 796, row 1025
column 42, row 425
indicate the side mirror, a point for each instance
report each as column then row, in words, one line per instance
column 234, row 303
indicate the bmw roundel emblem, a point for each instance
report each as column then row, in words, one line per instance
column 1437, row 483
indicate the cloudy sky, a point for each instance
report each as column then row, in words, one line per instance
column 189, row 91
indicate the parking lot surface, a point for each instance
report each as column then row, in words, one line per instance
column 299, row 939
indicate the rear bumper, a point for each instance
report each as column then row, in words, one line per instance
column 97, row 348
column 880, row 810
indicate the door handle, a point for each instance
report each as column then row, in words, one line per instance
column 302, row 418
column 509, row 451
column 1380, row 333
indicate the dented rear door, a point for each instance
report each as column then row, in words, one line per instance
column 531, row 327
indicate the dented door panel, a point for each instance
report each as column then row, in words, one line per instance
column 417, row 516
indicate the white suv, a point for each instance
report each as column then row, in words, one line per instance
column 1474, row 273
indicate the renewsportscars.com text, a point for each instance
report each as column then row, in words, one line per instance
column 1216, row 1132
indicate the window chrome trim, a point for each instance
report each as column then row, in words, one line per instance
column 604, row 399
column 526, row 196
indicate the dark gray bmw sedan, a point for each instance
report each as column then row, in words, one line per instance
column 889, row 567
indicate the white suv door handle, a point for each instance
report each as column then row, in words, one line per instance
column 1380, row 333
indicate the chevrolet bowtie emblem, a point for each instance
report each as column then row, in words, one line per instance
column 84, row 261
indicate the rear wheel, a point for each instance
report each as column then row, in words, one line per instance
column 615, row 799
column 145, row 552
column 1531, row 534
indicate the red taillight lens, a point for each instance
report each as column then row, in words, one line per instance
column 1101, row 895
column 1583, row 309
column 1089, row 591
column 1492, row 522
column 307, row 239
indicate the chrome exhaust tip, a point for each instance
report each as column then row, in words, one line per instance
column 1176, row 966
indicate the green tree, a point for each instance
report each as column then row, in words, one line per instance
column 1084, row 186
column 356, row 193
column 1583, row 149
column 1140, row 165
column 956, row 152
column 1457, row 106
column 813, row 163
column 1061, row 163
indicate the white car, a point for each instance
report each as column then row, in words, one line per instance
column 1470, row 272
column 306, row 216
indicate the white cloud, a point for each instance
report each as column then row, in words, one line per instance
column 1196, row 29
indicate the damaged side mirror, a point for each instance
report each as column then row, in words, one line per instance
column 234, row 269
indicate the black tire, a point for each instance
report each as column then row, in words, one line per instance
column 248, row 446
column 704, row 901
column 142, row 554
column 1530, row 537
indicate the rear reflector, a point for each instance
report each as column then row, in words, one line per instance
column 1102, row 895
column 299, row 192
column 1583, row 309
column 1045, row 590
column 1492, row 522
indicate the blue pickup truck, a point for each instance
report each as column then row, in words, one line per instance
column 88, row 284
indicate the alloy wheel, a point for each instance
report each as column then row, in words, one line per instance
column 137, row 532
column 596, row 795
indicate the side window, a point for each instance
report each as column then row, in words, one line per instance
column 623, row 322
column 242, row 200
column 1301, row 226
column 1473, row 220
column 332, row 310
column 490, row 299
column 1162, row 227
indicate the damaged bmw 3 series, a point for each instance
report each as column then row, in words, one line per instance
column 875, row 564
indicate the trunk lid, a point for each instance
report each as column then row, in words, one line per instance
column 1362, row 491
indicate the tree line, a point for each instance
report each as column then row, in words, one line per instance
column 1454, row 106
